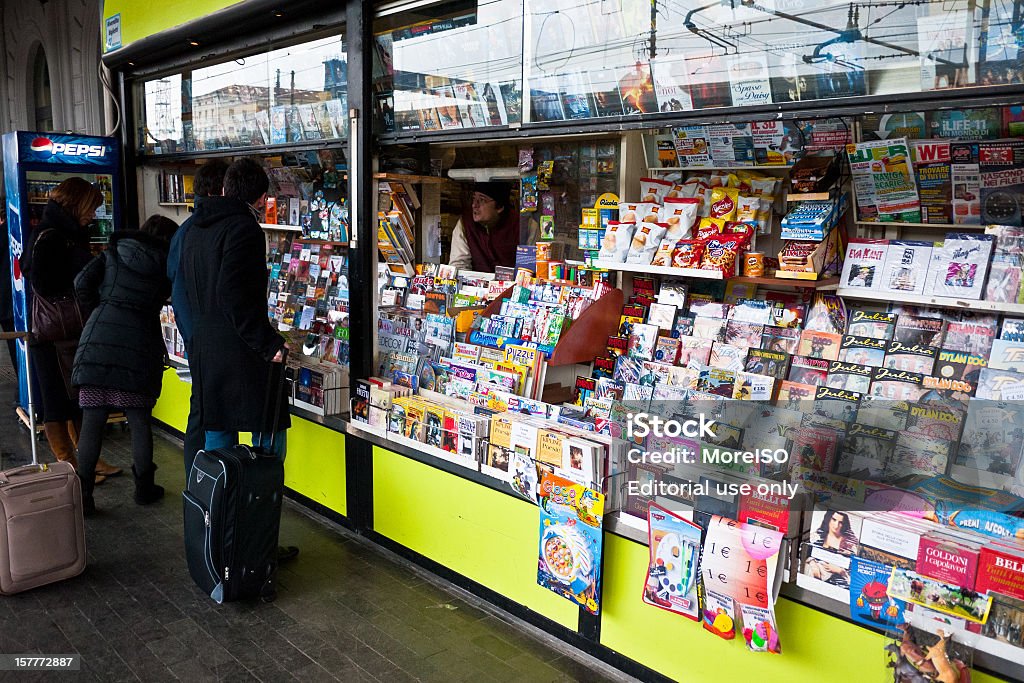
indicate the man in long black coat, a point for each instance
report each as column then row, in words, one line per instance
column 233, row 342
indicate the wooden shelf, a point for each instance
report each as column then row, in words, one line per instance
column 824, row 284
column 277, row 226
column 659, row 270
column 719, row 168
column 937, row 301
column 943, row 226
column 402, row 178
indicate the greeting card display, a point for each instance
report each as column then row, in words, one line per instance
column 569, row 561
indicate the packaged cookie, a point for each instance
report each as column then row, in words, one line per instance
column 663, row 257
column 646, row 239
column 680, row 215
column 654, row 190
column 615, row 244
column 687, row 253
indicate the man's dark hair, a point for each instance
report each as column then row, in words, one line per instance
column 209, row 180
column 246, row 180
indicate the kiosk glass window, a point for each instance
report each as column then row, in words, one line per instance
column 451, row 66
column 286, row 95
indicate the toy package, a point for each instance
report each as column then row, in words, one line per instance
column 569, row 557
column 674, row 564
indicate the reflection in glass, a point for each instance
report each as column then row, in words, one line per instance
column 289, row 95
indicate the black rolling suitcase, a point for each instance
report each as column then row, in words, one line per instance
column 232, row 509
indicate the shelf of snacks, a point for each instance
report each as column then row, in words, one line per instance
column 937, row 226
column 669, row 271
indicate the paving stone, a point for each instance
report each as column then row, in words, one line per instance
column 344, row 611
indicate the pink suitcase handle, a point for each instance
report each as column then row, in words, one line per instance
column 24, row 469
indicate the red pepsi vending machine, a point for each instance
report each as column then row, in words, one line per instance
column 35, row 163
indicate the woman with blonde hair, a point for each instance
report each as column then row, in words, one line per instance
column 54, row 254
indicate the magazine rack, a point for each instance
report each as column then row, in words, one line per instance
column 587, row 336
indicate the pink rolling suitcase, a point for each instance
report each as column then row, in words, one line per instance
column 42, row 531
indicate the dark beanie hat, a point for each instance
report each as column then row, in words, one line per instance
column 498, row 191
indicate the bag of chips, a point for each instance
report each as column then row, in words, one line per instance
column 615, row 244
column 723, row 204
column 747, row 208
column 628, row 212
column 654, row 190
column 707, row 229
column 646, row 239
column 663, row 257
column 680, row 215
column 687, row 254
column 763, row 186
column 744, row 231
column 721, row 254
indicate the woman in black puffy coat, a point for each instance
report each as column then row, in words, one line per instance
column 120, row 359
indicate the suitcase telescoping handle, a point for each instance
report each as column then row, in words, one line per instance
column 275, row 389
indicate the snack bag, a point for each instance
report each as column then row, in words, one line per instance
column 628, row 212
column 764, row 215
column 679, row 216
column 647, row 212
column 721, row 254
column 707, row 229
column 645, row 243
column 687, row 254
column 723, row 204
column 763, row 186
column 743, row 231
column 679, row 191
column 721, row 180
column 747, row 208
column 654, row 190
column 615, row 244
column 663, row 257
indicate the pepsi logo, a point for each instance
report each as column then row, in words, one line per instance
column 42, row 145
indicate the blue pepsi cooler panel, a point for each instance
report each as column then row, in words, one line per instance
column 35, row 163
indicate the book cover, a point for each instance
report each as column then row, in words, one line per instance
column 1007, row 355
column 960, row 366
column 792, row 394
column 747, row 335
column 911, row 329
column 911, row 357
column 671, row 86
column 946, row 559
column 636, row 89
column 1000, row 385
column 753, row 387
column 837, row 404
column 870, row 602
column 694, row 351
column 917, row 454
column 667, row 350
column 771, row 363
column 863, row 265
column 812, row 447
column 717, row 381
column 970, row 337
column 849, row 376
column 804, row 370
column 934, row 175
column 605, row 91
column 710, row 328
column 897, row 385
column 570, row 541
column 874, row 324
column 1001, row 570
column 865, row 451
column 959, row 267
column 906, row 266
column 824, row 345
column 1012, row 330
column 727, row 356
column 748, row 80
column 576, row 102
column 965, row 124
column 781, row 339
column 642, row 340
